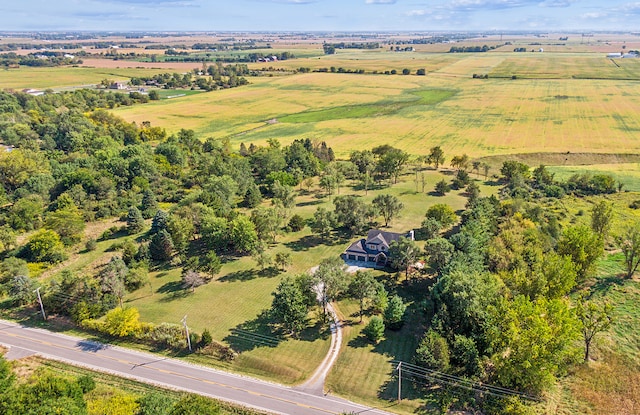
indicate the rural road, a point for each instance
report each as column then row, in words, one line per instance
column 172, row 373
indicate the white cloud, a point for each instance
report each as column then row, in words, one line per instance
column 415, row 13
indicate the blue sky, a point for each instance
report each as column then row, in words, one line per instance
column 319, row 15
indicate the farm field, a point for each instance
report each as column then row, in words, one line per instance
column 61, row 77
column 479, row 117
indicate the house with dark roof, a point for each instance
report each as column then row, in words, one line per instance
column 374, row 249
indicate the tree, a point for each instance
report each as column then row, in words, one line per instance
column 26, row 213
column 135, row 221
column 262, row 257
column 439, row 252
column 191, row 280
column 323, row 221
column 583, row 246
column 68, row 223
column 181, row 231
column 330, row 280
column 283, row 195
column 403, row 253
column 436, row 156
column 388, row 206
column 160, row 221
column 374, row 330
column 532, row 342
column 629, row 244
column 460, row 162
column 352, row 213
column 430, row 228
column 243, row 234
column 394, row 313
column 595, row 318
column 392, row 162
column 161, row 246
column 12, row 267
column 288, row 307
column 45, row 246
column 267, row 222
column 149, row 205
column 21, row 289
column 601, row 216
column 283, row 260
column 433, row 352
column 486, row 168
column 443, row 213
column 442, row 187
column 210, row 264
column 112, row 278
column 296, row 223
column 362, row 287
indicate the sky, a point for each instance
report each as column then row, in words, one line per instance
column 319, row 15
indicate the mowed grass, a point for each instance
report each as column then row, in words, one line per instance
column 484, row 117
column 238, row 295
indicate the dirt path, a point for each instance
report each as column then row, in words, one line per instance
column 315, row 384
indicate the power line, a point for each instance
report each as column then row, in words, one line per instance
column 451, row 380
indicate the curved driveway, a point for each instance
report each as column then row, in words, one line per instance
column 175, row 374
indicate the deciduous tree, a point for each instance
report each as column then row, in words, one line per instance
column 362, row 287
column 388, row 206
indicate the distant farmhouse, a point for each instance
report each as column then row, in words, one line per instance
column 118, row 85
column 374, row 250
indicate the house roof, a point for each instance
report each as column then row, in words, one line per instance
column 376, row 236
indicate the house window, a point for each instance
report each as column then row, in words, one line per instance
column 373, row 247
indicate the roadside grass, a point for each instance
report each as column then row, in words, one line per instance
column 108, row 385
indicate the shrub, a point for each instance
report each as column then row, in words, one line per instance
column 91, row 245
column 297, row 223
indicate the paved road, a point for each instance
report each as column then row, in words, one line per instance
column 173, row 373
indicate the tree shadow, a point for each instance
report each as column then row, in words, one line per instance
column 174, row 291
column 242, row 275
column 602, row 285
column 269, row 272
column 305, row 243
column 91, row 346
column 310, row 203
column 253, row 334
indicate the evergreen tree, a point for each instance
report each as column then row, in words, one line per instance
column 161, row 246
column 135, row 221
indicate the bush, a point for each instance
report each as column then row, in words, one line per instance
column 168, row 335
column 91, row 245
column 297, row 223
column 206, row 338
column 86, row 383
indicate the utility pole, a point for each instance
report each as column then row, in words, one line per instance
column 399, row 381
column 37, row 291
column 186, row 329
